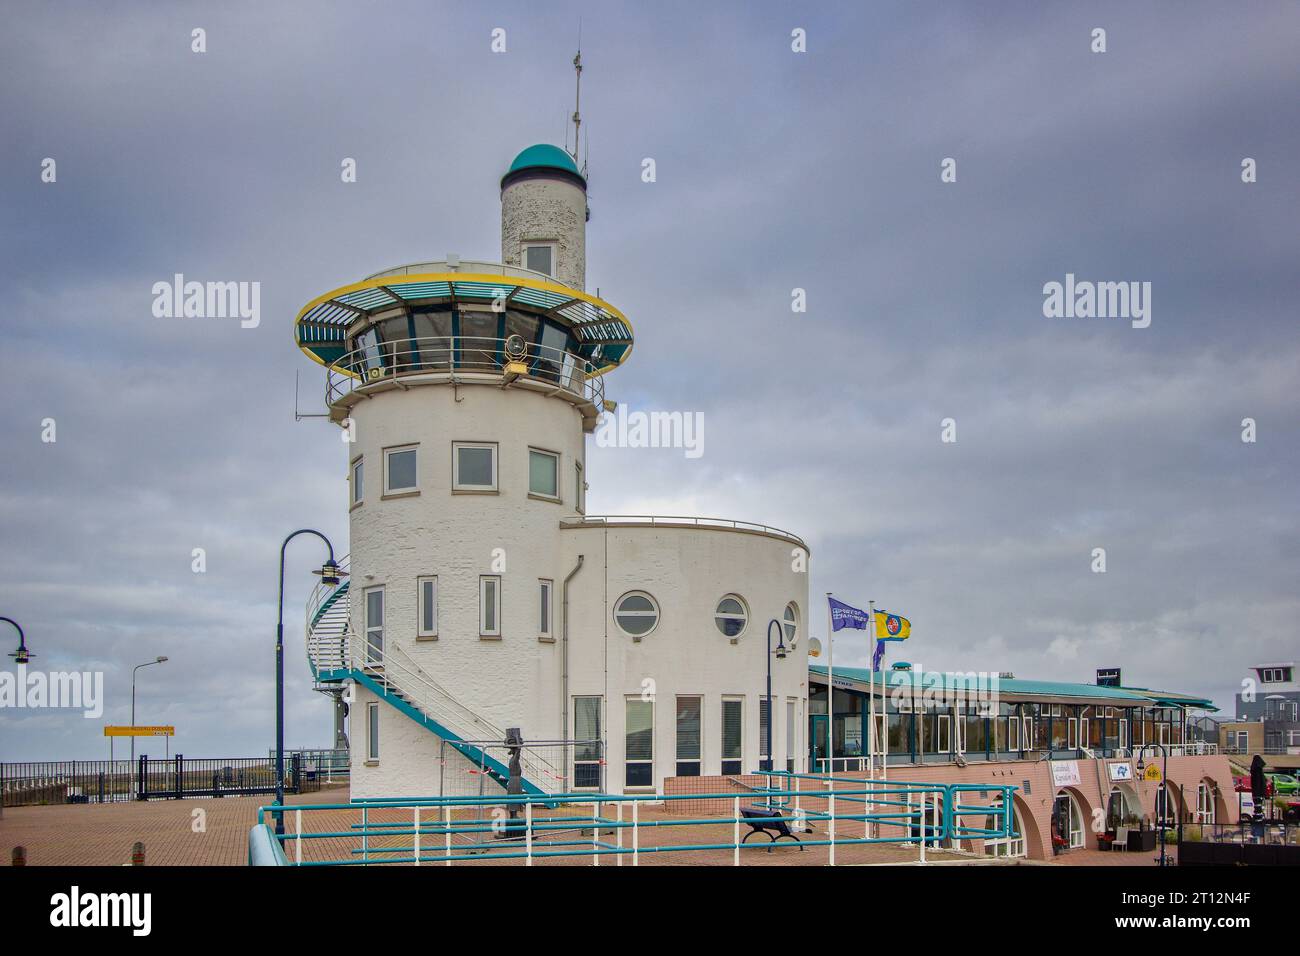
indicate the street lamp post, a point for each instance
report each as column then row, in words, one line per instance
column 330, row 574
column 1163, row 802
column 156, row 660
column 780, row 655
column 22, row 655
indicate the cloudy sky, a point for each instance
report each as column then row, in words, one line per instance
column 776, row 170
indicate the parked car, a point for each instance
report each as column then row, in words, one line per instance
column 1284, row 783
column 1242, row 785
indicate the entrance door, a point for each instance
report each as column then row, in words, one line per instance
column 817, row 743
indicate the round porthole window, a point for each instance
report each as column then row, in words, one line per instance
column 731, row 616
column 636, row 614
column 790, row 624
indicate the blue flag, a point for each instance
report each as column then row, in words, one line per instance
column 876, row 657
column 844, row 615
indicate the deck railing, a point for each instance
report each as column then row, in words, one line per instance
column 444, row 358
column 465, row 830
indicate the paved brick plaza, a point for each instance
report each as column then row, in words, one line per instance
column 103, row 835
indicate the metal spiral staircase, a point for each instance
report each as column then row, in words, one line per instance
column 336, row 656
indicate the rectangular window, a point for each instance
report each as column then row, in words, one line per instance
column 638, row 758
column 1072, row 734
column 489, row 605
column 765, row 732
column 540, row 257
column 544, row 473
column 372, row 730
column 792, row 736
column 474, row 466
column 544, row 589
column 586, row 748
column 689, row 712
column 579, row 489
column 733, row 728
column 399, row 470
column 944, row 734
column 358, row 482
column 428, row 604
column 375, row 626
column 1013, row 733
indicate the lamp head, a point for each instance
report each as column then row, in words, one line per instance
column 22, row 655
column 331, row 573
column 160, row 660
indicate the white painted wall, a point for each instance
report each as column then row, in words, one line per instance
column 547, row 210
column 517, row 680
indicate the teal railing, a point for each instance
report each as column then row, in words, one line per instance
column 446, row 830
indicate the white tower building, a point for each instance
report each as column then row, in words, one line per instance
column 482, row 596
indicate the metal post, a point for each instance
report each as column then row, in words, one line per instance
column 618, row 860
column 921, row 814
column 279, row 675
column 297, row 836
column 735, row 832
column 636, row 833
column 365, row 834
column 417, row 835
column 595, row 833
column 528, row 833
column 831, row 813
column 446, row 826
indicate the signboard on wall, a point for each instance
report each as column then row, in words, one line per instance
column 1065, row 773
column 1121, row 772
column 1108, row 677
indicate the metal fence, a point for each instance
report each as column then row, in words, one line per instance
column 589, row 827
column 174, row 778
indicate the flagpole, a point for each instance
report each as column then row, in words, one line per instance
column 871, row 696
column 830, row 687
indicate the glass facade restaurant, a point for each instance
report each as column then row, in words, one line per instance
column 938, row 718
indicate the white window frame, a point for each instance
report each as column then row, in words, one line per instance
column 457, row 484
column 579, row 489
column 551, row 244
column 653, row 603
column 546, row 609
column 637, row 698
column 697, row 760
column 600, row 725
column 372, row 731
column 722, row 733
column 1013, row 734
column 1072, row 733
column 555, row 457
column 408, row 489
column 357, row 480
column 790, row 625
column 743, row 616
column 791, row 734
column 371, row 631
column 943, row 734
column 420, row 629
column 483, row 629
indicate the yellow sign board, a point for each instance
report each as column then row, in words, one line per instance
column 139, row 731
column 1152, row 773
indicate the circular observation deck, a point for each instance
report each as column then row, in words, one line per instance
column 463, row 323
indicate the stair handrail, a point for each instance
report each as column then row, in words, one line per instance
column 440, row 705
column 534, row 764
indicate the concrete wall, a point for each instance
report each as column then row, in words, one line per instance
column 687, row 571
column 547, row 210
column 516, row 680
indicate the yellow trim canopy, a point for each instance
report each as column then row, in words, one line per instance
column 603, row 333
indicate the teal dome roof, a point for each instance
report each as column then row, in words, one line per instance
column 544, row 155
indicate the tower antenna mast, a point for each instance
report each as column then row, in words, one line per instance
column 577, row 96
